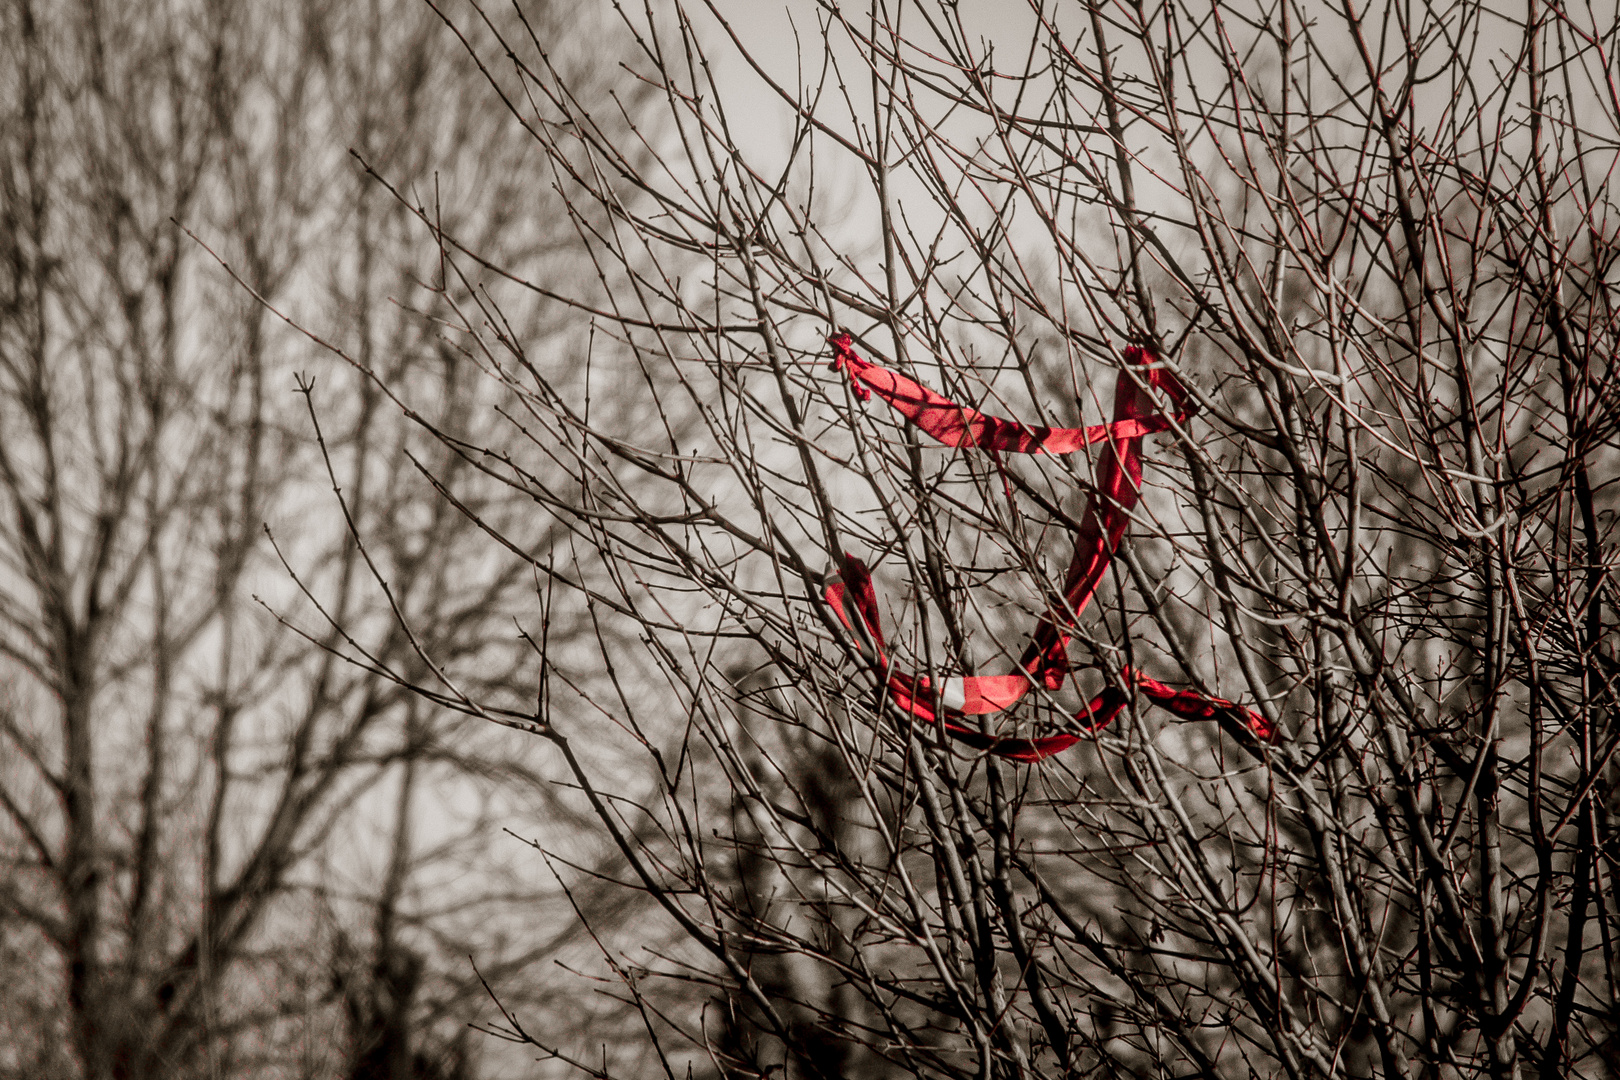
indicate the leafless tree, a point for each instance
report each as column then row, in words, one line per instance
column 192, row 794
column 1374, row 242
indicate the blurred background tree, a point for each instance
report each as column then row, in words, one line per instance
column 224, row 852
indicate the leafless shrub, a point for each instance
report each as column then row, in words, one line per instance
column 1376, row 243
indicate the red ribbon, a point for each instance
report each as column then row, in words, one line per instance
column 1118, row 481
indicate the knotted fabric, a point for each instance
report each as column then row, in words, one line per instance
column 1116, row 489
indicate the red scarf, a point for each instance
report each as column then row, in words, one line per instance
column 1107, row 513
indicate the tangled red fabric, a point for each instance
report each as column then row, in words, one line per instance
column 1117, row 487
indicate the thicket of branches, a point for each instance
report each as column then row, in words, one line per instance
column 1376, row 242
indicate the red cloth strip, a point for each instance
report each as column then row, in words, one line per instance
column 1118, row 479
column 959, row 425
column 916, row 694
